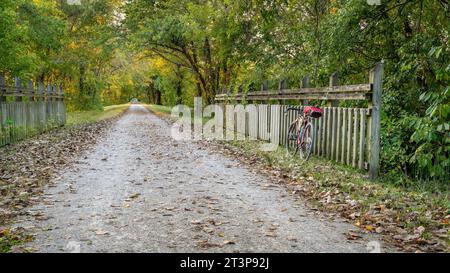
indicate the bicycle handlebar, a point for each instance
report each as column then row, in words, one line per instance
column 292, row 108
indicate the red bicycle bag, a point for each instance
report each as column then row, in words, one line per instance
column 314, row 112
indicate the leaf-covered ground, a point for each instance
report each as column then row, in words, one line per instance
column 27, row 166
column 414, row 221
column 140, row 190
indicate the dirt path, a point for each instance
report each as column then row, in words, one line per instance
column 140, row 191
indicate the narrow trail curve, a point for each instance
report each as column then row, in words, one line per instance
column 140, row 191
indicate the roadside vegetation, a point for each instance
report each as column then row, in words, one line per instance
column 83, row 117
column 412, row 217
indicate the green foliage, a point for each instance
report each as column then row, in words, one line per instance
column 13, row 57
column 84, row 117
column 167, row 52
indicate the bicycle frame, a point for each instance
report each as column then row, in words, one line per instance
column 301, row 122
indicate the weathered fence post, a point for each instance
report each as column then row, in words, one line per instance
column 40, row 91
column 376, row 80
column 334, row 81
column 17, row 88
column 61, row 92
column 265, row 85
column 49, row 92
column 282, row 84
column 30, row 89
column 2, row 89
column 241, row 89
column 304, row 83
column 55, row 92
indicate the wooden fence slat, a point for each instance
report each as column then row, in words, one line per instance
column 283, row 123
column 338, row 134
column 355, row 137
column 328, row 133
column 314, row 126
column 344, row 135
column 275, row 124
column 319, row 135
column 362, row 113
column 333, row 134
column 349, row 135
column 323, row 133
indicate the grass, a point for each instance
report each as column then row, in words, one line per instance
column 159, row 109
column 77, row 118
column 9, row 239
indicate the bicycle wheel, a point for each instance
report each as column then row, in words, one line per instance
column 291, row 140
column 306, row 142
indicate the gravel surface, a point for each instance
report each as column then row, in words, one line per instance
column 140, row 191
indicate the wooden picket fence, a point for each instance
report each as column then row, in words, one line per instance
column 28, row 110
column 350, row 136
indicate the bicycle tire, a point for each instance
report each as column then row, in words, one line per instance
column 306, row 142
column 291, row 140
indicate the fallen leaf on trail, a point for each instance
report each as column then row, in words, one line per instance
column 353, row 236
column 379, row 230
column 369, row 227
column 4, row 231
column 134, row 196
column 208, row 230
column 227, row 242
column 207, row 244
column 101, row 232
column 419, row 230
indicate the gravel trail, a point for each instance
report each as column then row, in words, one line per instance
column 140, row 191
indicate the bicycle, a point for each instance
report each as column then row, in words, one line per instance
column 300, row 134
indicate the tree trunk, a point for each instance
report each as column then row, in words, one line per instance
column 157, row 97
column 179, row 85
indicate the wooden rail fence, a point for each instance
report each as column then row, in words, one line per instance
column 347, row 135
column 29, row 110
